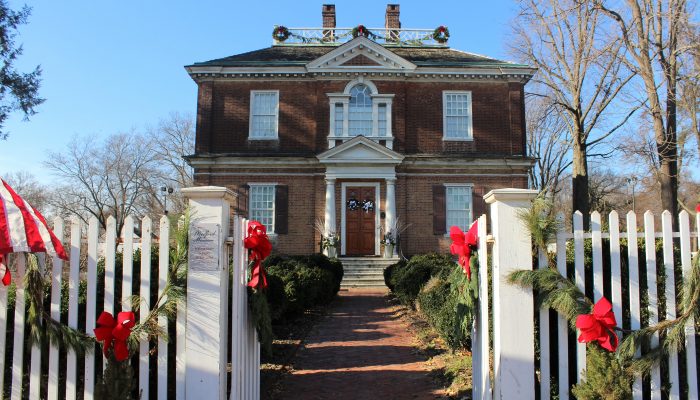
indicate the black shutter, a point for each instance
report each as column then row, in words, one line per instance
column 281, row 209
column 478, row 204
column 439, row 210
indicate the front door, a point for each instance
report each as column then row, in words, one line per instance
column 360, row 221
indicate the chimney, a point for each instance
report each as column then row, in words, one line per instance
column 328, row 13
column 391, row 20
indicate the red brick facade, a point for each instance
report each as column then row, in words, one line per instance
column 421, row 160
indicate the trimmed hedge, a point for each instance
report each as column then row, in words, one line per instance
column 425, row 283
column 297, row 283
column 406, row 279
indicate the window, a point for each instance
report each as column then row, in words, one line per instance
column 360, row 111
column 339, row 119
column 262, row 205
column 457, row 115
column 458, row 206
column 264, row 107
column 381, row 125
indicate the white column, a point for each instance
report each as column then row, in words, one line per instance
column 207, row 293
column 329, row 215
column 513, row 354
column 390, row 219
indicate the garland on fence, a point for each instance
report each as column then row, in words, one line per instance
column 43, row 328
column 259, row 248
column 465, row 246
column 607, row 375
column 118, row 378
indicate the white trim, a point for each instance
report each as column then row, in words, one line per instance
column 277, row 114
column 274, row 202
column 334, row 60
column 470, row 130
column 377, row 212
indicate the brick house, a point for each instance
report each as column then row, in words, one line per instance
column 323, row 124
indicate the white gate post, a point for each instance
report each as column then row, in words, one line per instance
column 513, row 314
column 207, row 293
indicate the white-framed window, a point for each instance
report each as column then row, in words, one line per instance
column 264, row 114
column 456, row 115
column 262, row 204
column 458, row 202
column 360, row 111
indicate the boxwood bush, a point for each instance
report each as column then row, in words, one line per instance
column 406, row 280
column 297, row 283
column 437, row 302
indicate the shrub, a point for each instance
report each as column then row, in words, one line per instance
column 408, row 281
column 303, row 286
column 389, row 273
column 334, row 266
column 437, row 303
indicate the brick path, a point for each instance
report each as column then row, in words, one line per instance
column 361, row 350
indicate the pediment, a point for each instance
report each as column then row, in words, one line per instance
column 360, row 150
column 358, row 54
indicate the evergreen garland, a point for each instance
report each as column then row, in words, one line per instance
column 608, row 376
column 43, row 328
column 262, row 320
column 117, row 381
column 467, row 293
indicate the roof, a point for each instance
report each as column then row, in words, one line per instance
column 278, row 56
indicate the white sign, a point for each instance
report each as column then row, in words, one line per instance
column 204, row 247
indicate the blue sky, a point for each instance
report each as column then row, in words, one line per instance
column 113, row 66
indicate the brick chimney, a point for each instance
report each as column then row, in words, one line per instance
column 391, row 20
column 328, row 13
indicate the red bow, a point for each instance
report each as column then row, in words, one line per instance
column 108, row 330
column 260, row 248
column 599, row 325
column 462, row 245
column 7, row 277
column 697, row 208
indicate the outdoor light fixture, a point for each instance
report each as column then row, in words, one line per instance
column 166, row 191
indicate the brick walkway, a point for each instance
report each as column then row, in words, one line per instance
column 361, row 350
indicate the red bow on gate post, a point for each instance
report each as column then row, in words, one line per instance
column 259, row 245
column 108, row 330
column 599, row 325
column 463, row 244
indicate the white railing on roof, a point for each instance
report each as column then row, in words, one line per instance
column 337, row 36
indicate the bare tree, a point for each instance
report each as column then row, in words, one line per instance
column 581, row 73
column 548, row 144
column 173, row 139
column 103, row 178
column 651, row 32
column 26, row 185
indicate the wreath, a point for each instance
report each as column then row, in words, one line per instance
column 367, row 206
column 441, row 34
column 280, row 33
column 353, row 204
column 360, row 30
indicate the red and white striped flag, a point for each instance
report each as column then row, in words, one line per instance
column 23, row 229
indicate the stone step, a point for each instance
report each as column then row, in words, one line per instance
column 374, row 284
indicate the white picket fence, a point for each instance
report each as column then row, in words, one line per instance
column 47, row 381
column 555, row 364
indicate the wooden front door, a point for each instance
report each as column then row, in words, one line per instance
column 360, row 216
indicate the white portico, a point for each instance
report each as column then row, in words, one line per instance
column 360, row 159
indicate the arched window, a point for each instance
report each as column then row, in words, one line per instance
column 360, row 111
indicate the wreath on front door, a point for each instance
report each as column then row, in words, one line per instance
column 353, row 204
column 367, row 206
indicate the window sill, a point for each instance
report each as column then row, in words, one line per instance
column 255, row 139
column 450, row 139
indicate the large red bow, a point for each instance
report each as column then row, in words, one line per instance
column 108, row 330
column 462, row 245
column 6, row 277
column 260, row 248
column 599, row 325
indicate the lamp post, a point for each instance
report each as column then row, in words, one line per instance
column 166, row 191
column 633, row 181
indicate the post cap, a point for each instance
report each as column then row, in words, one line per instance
column 210, row 192
column 510, row 194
